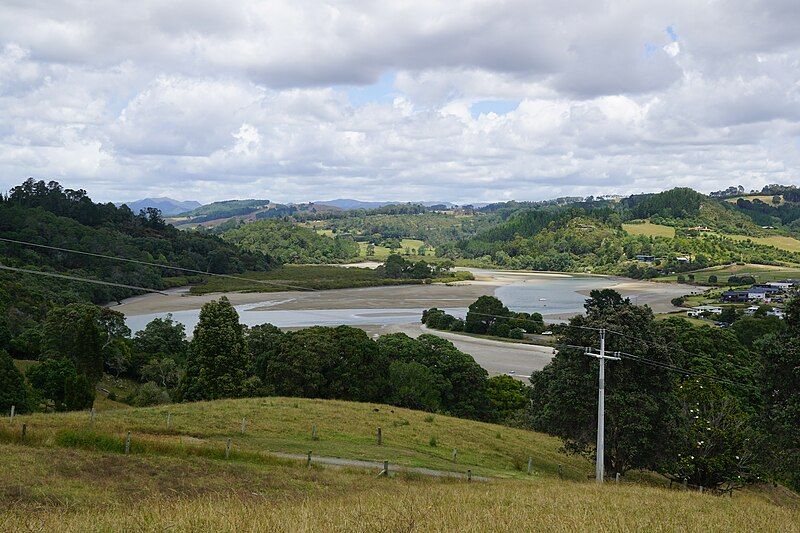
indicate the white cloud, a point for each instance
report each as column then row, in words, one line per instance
column 208, row 99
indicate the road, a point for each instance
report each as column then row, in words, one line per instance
column 497, row 357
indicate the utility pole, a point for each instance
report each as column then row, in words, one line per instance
column 601, row 405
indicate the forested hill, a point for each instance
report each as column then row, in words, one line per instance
column 46, row 213
column 589, row 235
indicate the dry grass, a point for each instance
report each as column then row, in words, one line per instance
column 80, row 491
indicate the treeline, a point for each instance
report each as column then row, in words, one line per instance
column 225, row 359
column 486, row 316
column 48, row 214
column 732, row 418
column 291, row 243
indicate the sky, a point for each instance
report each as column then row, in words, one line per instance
column 469, row 101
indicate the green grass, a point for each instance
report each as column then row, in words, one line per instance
column 782, row 242
column 381, row 252
column 649, row 229
column 345, row 429
column 762, row 273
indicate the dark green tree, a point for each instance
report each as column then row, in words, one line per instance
column 12, row 386
column 413, row 385
column 507, row 396
column 59, row 386
column 641, row 405
column 484, row 312
column 218, row 361
column 74, row 332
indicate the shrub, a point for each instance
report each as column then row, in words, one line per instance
column 516, row 333
column 150, row 394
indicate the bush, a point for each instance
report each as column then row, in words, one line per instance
column 150, row 394
column 712, row 278
column 516, row 333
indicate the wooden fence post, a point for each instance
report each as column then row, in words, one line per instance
column 314, row 433
column 308, row 460
column 11, row 418
column 228, row 448
column 685, row 483
column 530, row 465
column 24, row 430
column 469, row 475
column 455, row 455
column 380, row 437
column 560, row 472
column 386, row 468
column 616, row 478
column 244, row 424
column 169, row 420
column 91, row 416
column 128, row 442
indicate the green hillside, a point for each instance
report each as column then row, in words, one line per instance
column 65, row 476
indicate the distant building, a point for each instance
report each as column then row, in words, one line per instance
column 700, row 310
column 776, row 312
column 762, row 293
column 646, row 258
column 751, row 310
column 783, row 283
column 735, row 296
column 682, row 259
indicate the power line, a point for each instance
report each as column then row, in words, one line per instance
column 159, row 265
column 78, row 278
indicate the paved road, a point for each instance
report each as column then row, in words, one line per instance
column 358, row 463
column 497, row 357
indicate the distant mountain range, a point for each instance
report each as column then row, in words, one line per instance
column 167, row 206
column 348, row 204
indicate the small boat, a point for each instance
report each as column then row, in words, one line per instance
column 542, row 299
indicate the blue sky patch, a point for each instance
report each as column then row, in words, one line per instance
column 382, row 90
column 501, row 107
column 671, row 32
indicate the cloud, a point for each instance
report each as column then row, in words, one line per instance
column 294, row 100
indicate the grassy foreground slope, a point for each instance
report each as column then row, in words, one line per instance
column 75, row 490
column 344, row 429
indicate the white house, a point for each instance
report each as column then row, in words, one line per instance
column 701, row 309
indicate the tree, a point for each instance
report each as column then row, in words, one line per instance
column 150, row 394
column 164, row 372
column 395, row 266
column 779, row 417
column 323, row 362
column 484, row 312
column 712, row 278
column 262, row 342
column 218, row 361
column 59, row 386
column 641, row 406
column 413, row 385
column 162, row 336
column 12, row 386
column 507, row 396
column 74, row 332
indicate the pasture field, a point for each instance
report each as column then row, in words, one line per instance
column 762, row 273
column 65, row 477
column 782, row 242
column 344, row 429
column 766, row 198
column 381, row 252
column 649, row 229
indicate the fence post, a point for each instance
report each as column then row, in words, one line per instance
column 560, row 472
column 128, row 442
column 228, row 448
column 169, row 420
column 685, row 483
column 11, row 419
column 91, row 416
column 314, row 433
column 616, row 478
column 530, row 465
column 244, row 424
column 469, row 475
column 308, row 460
column 701, row 489
column 380, row 437
column 386, row 468
column 24, row 430
column 455, row 455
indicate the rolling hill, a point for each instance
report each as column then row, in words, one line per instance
column 72, row 475
column 167, row 206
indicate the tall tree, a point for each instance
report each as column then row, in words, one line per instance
column 483, row 313
column 218, row 361
column 12, row 385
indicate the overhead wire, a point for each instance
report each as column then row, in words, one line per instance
column 79, row 278
column 159, row 265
